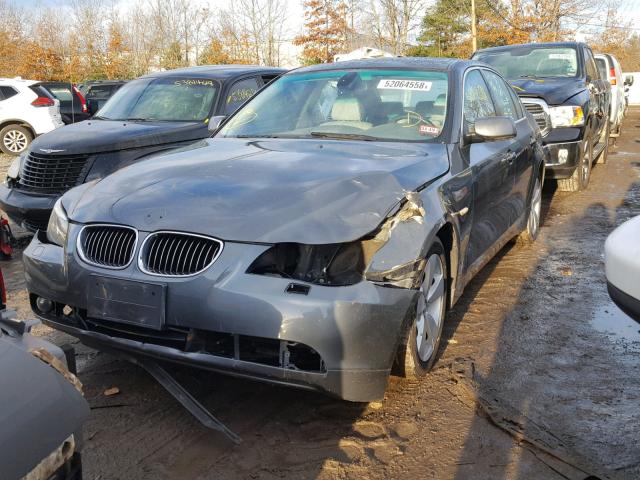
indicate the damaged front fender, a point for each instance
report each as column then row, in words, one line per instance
column 395, row 256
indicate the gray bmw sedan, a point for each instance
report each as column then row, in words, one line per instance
column 316, row 241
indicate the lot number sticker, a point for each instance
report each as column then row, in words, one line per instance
column 405, row 84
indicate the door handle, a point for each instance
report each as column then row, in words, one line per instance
column 509, row 158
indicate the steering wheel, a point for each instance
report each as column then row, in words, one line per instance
column 413, row 119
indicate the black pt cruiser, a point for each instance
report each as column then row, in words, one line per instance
column 317, row 241
column 152, row 114
column 560, row 85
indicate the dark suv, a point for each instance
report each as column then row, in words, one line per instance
column 154, row 113
column 560, row 85
column 73, row 106
column 97, row 92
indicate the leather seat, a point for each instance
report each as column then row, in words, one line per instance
column 348, row 111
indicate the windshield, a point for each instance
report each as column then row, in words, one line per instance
column 391, row 105
column 525, row 62
column 162, row 99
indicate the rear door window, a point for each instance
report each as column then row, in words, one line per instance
column 7, row 92
column 239, row 93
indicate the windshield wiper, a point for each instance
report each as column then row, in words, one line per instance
column 138, row 119
column 344, row 136
column 98, row 117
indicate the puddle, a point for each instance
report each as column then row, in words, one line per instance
column 609, row 319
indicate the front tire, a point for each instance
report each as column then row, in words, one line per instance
column 418, row 354
column 530, row 234
column 14, row 139
column 582, row 174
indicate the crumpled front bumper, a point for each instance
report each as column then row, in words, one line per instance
column 354, row 329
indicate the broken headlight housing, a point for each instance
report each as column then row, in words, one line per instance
column 335, row 264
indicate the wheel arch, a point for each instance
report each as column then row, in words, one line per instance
column 21, row 123
column 448, row 236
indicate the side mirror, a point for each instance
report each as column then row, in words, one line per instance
column 492, row 129
column 215, row 122
column 628, row 80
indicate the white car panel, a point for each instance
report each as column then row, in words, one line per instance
column 617, row 91
column 622, row 258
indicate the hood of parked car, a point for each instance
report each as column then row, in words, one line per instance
column 96, row 136
column 39, row 409
column 304, row 191
column 554, row 91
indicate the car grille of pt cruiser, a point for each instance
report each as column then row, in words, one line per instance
column 52, row 173
column 108, row 246
column 178, row 254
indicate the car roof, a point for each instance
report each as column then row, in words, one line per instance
column 410, row 63
column 216, row 71
column 19, row 81
column 532, row 44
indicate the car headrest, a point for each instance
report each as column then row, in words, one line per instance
column 347, row 109
column 441, row 100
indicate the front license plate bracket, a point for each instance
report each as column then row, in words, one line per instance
column 127, row 301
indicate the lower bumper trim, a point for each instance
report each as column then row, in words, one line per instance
column 355, row 385
column 628, row 304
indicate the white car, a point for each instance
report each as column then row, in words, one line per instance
column 622, row 266
column 26, row 111
column 610, row 70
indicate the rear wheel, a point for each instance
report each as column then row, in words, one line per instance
column 582, row 174
column 14, row 139
column 418, row 355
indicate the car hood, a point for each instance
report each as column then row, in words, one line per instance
column 39, row 409
column 96, row 136
column 305, row 191
column 554, row 91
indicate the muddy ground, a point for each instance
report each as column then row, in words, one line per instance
column 538, row 379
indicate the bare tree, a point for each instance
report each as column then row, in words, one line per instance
column 398, row 19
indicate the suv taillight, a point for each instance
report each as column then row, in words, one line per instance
column 43, row 102
column 83, row 101
column 612, row 74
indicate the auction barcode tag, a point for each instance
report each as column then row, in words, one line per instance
column 405, row 84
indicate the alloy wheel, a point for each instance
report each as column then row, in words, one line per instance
column 535, row 210
column 430, row 314
column 15, row 141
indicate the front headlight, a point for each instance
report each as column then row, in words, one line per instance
column 332, row 264
column 14, row 169
column 566, row 116
column 58, row 225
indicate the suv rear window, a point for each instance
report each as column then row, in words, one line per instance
column 99, row 92
column 61, row 93
column 532, row 61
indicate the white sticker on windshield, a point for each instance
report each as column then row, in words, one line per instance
column 405, row 84
column 561, row 56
